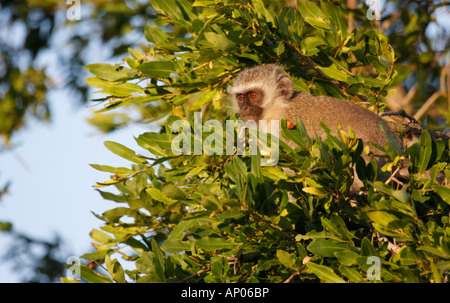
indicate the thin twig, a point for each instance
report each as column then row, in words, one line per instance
column 289, row 280
column 393, row 178
column 198, row 273
column 401, row 114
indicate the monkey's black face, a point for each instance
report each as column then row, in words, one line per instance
column 249, row 104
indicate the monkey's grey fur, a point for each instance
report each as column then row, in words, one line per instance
column 280, row 101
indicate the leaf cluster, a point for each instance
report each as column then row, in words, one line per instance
column 190, row 71
column 226, row 218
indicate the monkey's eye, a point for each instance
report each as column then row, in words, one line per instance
column 252, row 95
column 241, row 97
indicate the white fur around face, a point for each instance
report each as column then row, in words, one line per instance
column 273, row 104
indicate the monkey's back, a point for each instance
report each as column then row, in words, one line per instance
column 365, row 124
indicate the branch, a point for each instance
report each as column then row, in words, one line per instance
column 426, row 106
column 400, row 113
column 198, row 273
column 394, row 248
column 393, row 178
column 289, row 280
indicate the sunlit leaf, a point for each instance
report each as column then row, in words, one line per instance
column 324, row 273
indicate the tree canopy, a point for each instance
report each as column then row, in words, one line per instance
column 225, row 218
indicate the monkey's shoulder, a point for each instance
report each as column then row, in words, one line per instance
column 305, row 104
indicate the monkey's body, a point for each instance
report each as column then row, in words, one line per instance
column 266, row 93
column 332, row 111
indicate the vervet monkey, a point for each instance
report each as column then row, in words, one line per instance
column 266, row 93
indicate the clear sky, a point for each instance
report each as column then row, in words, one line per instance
column 51, row 190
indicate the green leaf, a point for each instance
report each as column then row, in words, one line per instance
column 435, row 251
column 435, row 271
column 377, row 65
column 159, row 259
column 100, row 236
column 97, row 255
column 154, row 34
column 151, row 265
column 326, row 247
column 159, row 196
column 317, row 235
column 110, row 196
column 387, row 220
column 5, row 226
column 140, row 99
column 313, row 15
column 115, row 270
column 110, row 72
column 124, row 152
column 203, row 98
column 68, row 280
column 178, row 232
column 92, row 276
column 371, row 82
column 157, row 69
column 346, row 257
column 324, row 273
column 168, row 7
column 334, row 73
column 176, row 246
column 124, row 90
column 155, row 143
column 337, row 19
column 285, row 258
column 341, row 228
column 297, row 135
column 114, row 170
column 204, row 3
column 367, row 248
column 310, row 44
column 219, row 41
column 318, row 23
column 443, row 192
column 351, row 273
column 425, row 151
column 196, row 170
column 314, row 191
column 274, row 173
column 114, row 88
column 115, row 214
column 231, row 214
column 406, row 257
column 213, row 244
column 173, row 192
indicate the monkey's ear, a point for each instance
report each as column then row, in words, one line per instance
column 285, row 87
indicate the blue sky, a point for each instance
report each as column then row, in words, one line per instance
column 51, row 189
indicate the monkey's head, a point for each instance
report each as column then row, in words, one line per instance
column 259, row 91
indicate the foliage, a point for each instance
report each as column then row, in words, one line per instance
column 226, row 218
column 26, row 78
column 34, row 260
column 32, row 32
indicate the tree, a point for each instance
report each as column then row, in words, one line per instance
column 225, row 217
column 32, row 31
